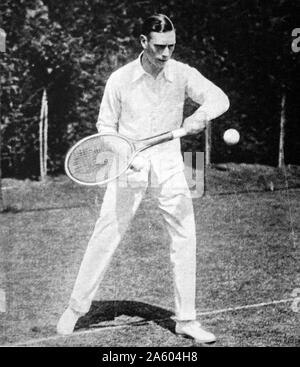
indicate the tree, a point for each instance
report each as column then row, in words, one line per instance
column 264, row 69
column 244, row 47
column 39, row 45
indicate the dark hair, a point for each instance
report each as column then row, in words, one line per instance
column 157, row 23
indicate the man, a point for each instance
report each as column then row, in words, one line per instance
column 142, row 99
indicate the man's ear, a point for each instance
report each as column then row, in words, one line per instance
column 144, row 41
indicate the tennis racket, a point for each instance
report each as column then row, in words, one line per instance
column 101, row 158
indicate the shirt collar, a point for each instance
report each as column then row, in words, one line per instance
column 139, row 70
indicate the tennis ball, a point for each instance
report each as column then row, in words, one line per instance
column 231, row 136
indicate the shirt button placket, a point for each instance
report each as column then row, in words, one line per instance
column 154, row 122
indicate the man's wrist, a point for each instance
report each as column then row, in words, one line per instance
column 104, row 129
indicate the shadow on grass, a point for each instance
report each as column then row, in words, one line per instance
column 18, row 209
column 103, row 314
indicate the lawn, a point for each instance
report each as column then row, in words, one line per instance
column 248, row 227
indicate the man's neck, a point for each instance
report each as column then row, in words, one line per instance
column 148, row 67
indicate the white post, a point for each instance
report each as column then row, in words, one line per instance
column 208, row 144
column 281, row 161
column 2, row 49
column 41, row 136
column 45, row 135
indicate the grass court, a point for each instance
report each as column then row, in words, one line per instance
column 248, row 276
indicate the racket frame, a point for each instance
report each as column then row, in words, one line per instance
column 137, row 146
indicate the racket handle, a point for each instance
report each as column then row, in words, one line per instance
column 158, row 139
column 178, row 133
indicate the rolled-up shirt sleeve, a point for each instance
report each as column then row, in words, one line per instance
column 110, row 108
column 212, row 99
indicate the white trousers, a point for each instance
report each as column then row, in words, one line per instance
column 118, row 208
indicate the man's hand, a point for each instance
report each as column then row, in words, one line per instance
column 195, row 123
column 139, row 163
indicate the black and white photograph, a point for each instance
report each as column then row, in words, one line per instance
column 149, row 176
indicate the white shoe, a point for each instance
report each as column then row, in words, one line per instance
column 67, row 322
column 193, row 329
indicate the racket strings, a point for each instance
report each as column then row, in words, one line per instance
column 100, row 159
column 83, row 161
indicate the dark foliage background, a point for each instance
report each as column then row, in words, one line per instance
column 71, row 47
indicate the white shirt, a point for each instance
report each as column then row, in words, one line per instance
column 139, row 106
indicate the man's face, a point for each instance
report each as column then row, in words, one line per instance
column 158, row 47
